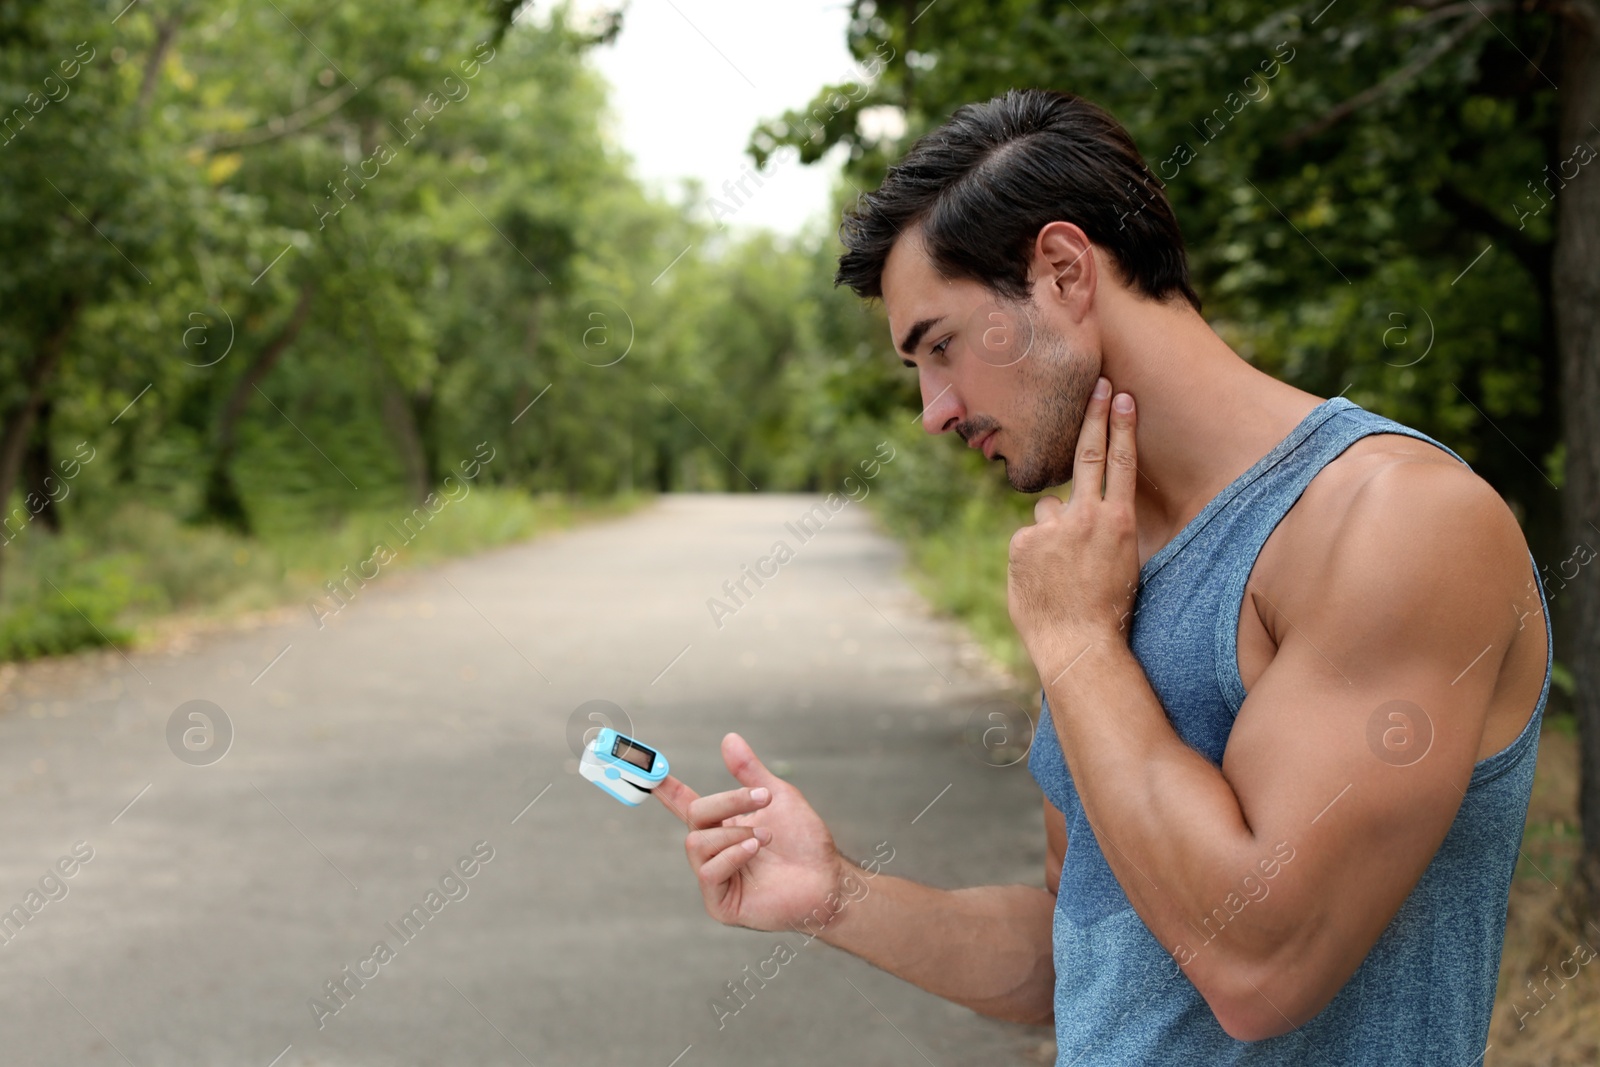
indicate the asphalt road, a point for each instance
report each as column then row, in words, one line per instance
column 423, row 732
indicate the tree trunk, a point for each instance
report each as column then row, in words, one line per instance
column 38, row 478
column 19, row 421
column 1577, row 315
column 222, row 500
column 663, row 468
column 401, row 416
column 166, row 31
column 425, row 415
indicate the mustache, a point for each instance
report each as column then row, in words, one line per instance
column 975, row 428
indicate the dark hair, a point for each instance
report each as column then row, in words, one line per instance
column 982, row 186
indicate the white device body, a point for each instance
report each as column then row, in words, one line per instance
column 622, row 766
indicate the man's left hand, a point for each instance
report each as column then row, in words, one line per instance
column 1074, row 572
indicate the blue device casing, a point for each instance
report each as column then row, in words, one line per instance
column 628, row 782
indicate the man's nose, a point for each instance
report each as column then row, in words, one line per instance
column 941, row 409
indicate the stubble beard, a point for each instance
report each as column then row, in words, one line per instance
column 1058, row 381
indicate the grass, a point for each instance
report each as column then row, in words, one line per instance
column 126, row 574
column 1557, row 1023
column 960, row 568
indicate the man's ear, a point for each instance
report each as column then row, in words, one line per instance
column 1065, row 271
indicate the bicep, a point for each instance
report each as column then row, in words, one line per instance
column 1359, row 782
column 1055, row 842
column 1355, row 746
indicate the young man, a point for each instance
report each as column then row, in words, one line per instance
column 1292, row 651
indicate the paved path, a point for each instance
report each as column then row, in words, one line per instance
column 424, row 719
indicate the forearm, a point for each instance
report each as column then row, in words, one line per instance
column 987, row 948
column 1168, row 822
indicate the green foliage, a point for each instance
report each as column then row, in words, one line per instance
column 302, row 261
column 960, row 566
column 82, row 611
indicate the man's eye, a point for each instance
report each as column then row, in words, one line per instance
column 939, row 348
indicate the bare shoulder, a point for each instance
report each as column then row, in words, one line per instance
column 1397, row 544
column 1390, row 505
column 1398, row 504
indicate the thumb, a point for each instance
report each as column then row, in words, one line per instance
column 743, row 764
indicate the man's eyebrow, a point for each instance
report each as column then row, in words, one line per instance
column 913, row 337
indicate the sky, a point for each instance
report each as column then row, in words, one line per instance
column 692, row 78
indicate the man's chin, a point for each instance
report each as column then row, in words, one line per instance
column 1035, row 484
column 1033, row 481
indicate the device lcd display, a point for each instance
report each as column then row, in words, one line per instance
column 641, row 757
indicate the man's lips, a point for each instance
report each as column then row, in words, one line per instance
column 984, row 443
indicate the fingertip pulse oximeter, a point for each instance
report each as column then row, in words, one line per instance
column 622, row 766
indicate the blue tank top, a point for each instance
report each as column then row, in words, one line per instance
column 1424, row 993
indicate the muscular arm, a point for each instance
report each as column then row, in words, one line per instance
column 987, row 948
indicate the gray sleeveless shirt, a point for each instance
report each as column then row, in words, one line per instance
column 1424, row 993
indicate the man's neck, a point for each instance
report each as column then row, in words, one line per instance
column 1205, row 416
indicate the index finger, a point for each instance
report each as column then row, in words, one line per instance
column 718, row 808
column 677, row 797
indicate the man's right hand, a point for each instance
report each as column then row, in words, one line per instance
column 763, row 857
column 766, row 861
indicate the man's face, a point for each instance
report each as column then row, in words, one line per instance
column 998, row 373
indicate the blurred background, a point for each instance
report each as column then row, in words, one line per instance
column 384, row 383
